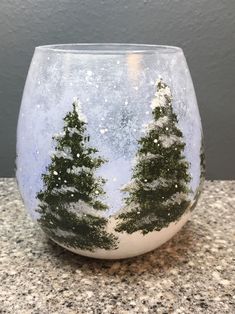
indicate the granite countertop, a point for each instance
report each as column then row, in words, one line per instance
column 192, row 273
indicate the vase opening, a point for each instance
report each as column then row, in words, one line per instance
column 109, row 48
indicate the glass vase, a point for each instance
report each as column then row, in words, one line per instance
column 110, row 158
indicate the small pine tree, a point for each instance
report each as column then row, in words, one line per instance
column 202, row 163
column 202, row 176
column 158, row 191
column 70, row 200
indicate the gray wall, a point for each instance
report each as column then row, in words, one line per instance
column 205, row 29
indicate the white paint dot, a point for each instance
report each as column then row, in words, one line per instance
column 147, row 112
column 167, row 128
column 97, row 192
column 118, row 62
column 65, row 181
column 136, row 87
column 72, row 195
column 176, row 185
column 105, row 100
column 59, row 178
column 89, row 72
column 155, row 141
column 78, row 155
column 103, row 131
column 55, row 173
column 126, row 102
column 145, row 180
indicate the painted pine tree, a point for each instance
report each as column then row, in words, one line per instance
column 202, row 176
column 202, row 163
column 158, row 193
column 70, row 201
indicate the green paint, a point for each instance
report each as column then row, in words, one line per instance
column 71, row 198
column 158, row 192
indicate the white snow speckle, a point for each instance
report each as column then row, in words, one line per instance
column 103, row 131
column 55, row 173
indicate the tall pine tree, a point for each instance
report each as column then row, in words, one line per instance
column 158, row 193
column 71, row 199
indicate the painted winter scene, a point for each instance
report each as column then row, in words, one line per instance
column 110, row 158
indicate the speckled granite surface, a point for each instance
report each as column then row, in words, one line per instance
column 193, row 273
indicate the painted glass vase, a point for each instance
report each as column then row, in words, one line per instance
column 110, row 158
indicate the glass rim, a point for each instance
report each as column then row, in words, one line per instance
column 109, row 48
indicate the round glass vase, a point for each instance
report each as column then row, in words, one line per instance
column 110, row 157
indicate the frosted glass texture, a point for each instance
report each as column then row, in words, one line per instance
column 110, row 156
